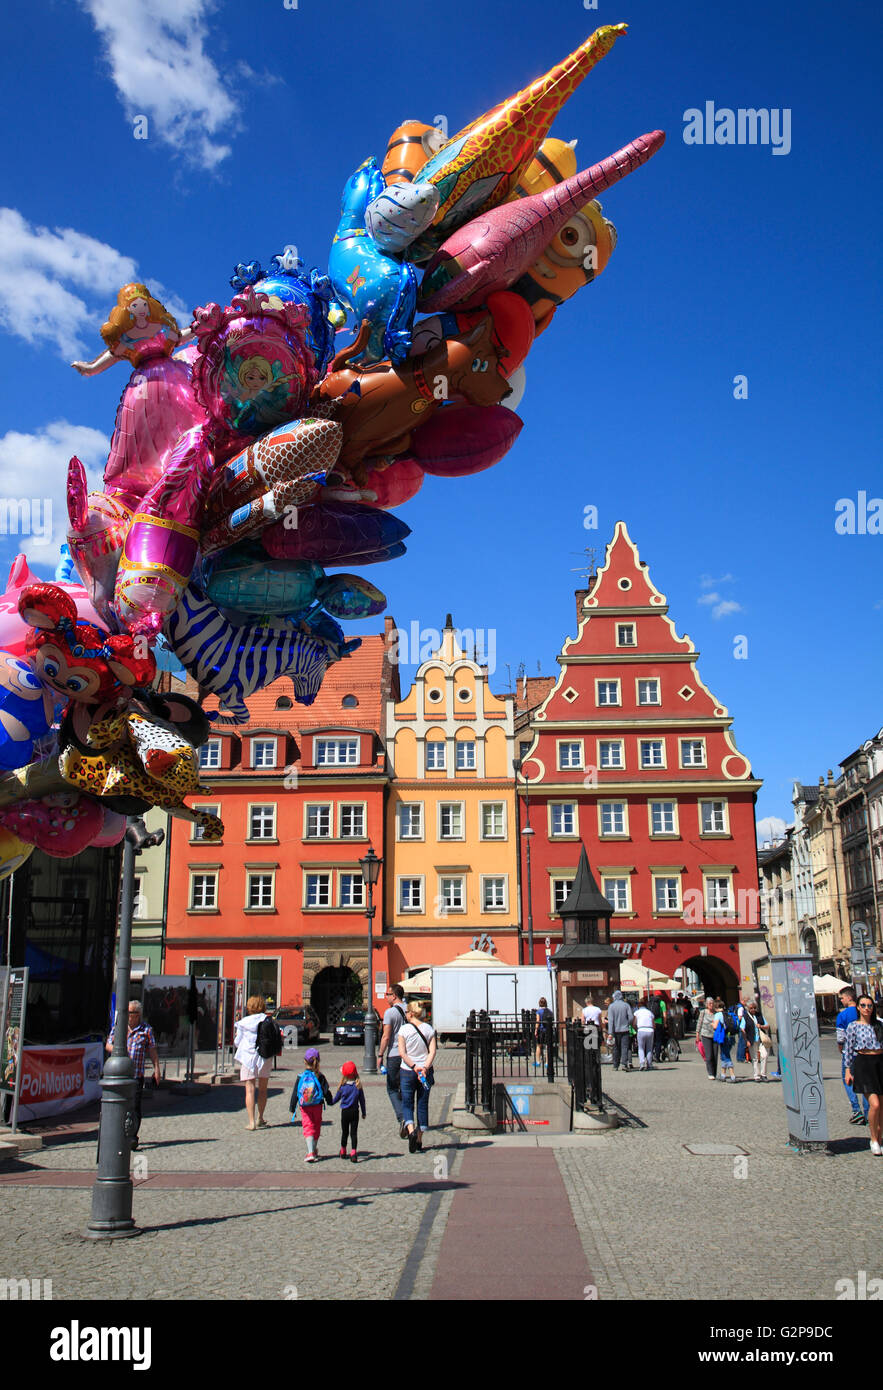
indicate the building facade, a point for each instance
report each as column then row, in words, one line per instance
column 633, row 757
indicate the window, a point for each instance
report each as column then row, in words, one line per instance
column 352, row 822
column 352, row 890
column 450, row 821
column 260, row 890
column 714, row 817
column 493, row 894
column 349, row 702
column 262, row 823
column 411, row 820
column 318, row 890
column 466, row 757
column 563, row 818
column 493, row 820
column 652, row 752
column 524, row 748
column 435, row 696
column 610, row 753
column 692, row 752
column 452, row 894
column 337, row 752
column 197, row 832
column 717, row 894
column 570, row 755
column 435, row 757
column 284, row 702
column 203, row 890
column 263, row 752
column 607, row 692
column 560, row 892
column 203, row 967
column 667, row 894
column 648, row 692
column 663, row 818
column 318, row 822
column 210, row 753
column 613, row 818
column 625, row 635
column 410, row 894
column 139, row 905
column 616, row 891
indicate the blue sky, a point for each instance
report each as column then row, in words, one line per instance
column 731, row 260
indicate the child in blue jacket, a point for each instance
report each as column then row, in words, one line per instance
column 352, row 1099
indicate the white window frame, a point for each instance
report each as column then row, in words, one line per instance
column 651, row 743
column 554, row 881
column 558, row 806
column 464, row 743
column 495, row 878
column 204, row 874
column 451, row 878
column 673, row 806
column 261, row 806
column 681, row 742
column 714, row 801
column 411, row 878
column 483, row 808
column 449, row 806
column 708, row 878
column 264, row 743
column 603, row 743
column 576, row 743
column 197, row 832
column 212, row 746
column 348, row 745
column 437, row 743
column 646, row 680
column 633, row 628
column 619, row 879
column 362, row 808
column 410, row 806
column 329, row 880
column 251, row 875
column 608, row 704
column 668, row 878
column 358, row 882
column 326, row 806
column 613, row 834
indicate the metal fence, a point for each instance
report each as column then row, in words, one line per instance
column 503, row 1046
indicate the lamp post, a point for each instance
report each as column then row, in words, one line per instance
column 527, row 832
column 112, row 1189
column 370, row 867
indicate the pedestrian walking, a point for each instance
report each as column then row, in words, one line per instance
column 542, row 1028
column 591, row 1014
column 863, row 1064
column 645, row 1024
column 140, row 1044
column 706, row 1026
column 619, row 1020
column 657, row 1008
column 311, row 1092
column 254, row 1069
column 849, row 1014
column 351, row 1097
column 417, row 1048
column 725, row 1031
column 758, row 1042
column 393, row 1019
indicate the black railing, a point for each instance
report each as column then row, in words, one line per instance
column 501, row 1046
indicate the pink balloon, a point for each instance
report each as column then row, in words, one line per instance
column 397, row 483
column 13, row 628
column 112, row 831
column 463, row 439
column 60, row 826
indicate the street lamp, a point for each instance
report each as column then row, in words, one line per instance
column 527, row 832
column 370, row 867
column 112, row 1189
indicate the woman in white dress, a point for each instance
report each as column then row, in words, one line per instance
column 254, row 1069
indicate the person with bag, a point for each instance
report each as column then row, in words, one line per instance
column 417, row 1048
column 255, row 1065
column 351, row 1096
column 706, row 1028
column 389, row 1048
column 311, row 1092
column 757, row 1040
column 863, row 1065
column 725, row 1031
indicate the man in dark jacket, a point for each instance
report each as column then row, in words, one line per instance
column 619, row 1019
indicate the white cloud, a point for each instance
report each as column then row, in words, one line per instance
column 771, row 828
column 37, row 522
column 58, row 285
column 709, row 598
column 707, row 582
column 159, row 66
column 726, row 606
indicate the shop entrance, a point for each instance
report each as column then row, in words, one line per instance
column 335, row 989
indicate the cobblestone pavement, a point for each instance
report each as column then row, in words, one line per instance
column 655, row 1222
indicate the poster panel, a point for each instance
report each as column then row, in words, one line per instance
column 59, row 1078
column 800, row 1059
column 165, row 1001
column 15, row 1001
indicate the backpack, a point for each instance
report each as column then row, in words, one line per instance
column 269, row 1039
column 309, row 1089
column 731, row 1024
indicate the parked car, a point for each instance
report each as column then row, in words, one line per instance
column 299, row 1025
column 351, row 1028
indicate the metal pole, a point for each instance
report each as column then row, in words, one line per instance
column 369, row 1061
column 112, row 1189
column 529, row 828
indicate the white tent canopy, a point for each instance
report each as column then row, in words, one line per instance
column 829, row 984
column 633, row 975
column 421, row 983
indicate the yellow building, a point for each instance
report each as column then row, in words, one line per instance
column 451, row 834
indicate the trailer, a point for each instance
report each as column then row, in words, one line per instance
column 498, row 989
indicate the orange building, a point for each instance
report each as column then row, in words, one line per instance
column 301, row 791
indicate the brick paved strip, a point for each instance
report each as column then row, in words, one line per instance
column 510, row 1233
column 337, row 1177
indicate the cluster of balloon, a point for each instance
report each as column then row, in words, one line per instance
column 249, row 457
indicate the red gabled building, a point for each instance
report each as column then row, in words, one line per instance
column 633, row 756
column 301, row 791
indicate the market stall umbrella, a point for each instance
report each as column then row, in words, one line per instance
column 828, row 984
column 635, row 976
column 421, row 983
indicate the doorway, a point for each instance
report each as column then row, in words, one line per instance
column 335, row 989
